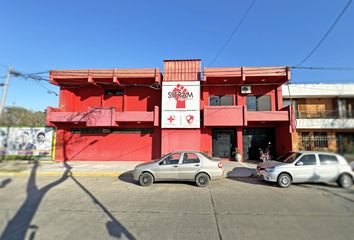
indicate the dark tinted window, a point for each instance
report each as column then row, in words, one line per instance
column 227, row 100
column 251, row 103
column 114, row 92
column 263, row 103
column 190, row 158
column 171, row 159
column 328, row 159
column 309, row 159
column 89, row 131
column 258, row 103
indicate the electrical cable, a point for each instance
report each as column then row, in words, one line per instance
column 326, row 34
column 233, row 32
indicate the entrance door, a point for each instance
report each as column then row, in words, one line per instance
column 255, row 138
column 223, row 142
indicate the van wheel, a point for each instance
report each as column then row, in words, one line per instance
column 284, row 180
column 202, row 180
column 146, row 179
column 345, row 181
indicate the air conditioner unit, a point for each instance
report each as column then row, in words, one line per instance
column 245, row 89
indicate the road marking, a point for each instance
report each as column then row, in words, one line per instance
column 59, row 174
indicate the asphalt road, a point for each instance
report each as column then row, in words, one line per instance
column 109, row 208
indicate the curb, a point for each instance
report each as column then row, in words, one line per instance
column 60, row 174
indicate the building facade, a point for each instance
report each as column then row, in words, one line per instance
column 141, row 114
column 324, row 117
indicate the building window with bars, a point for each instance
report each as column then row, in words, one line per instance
column 320, row 139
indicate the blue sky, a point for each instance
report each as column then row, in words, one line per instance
column 40, row 35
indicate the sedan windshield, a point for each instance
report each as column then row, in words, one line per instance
column 289, row 157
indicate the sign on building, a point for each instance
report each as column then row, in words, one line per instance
column 28, row 141
column 180, row 104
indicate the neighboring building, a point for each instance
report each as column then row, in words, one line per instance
column 115, row 114
column 325, row 116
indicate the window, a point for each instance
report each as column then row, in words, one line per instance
column 114, row 92
column 309, row 159
column 328, row 159
column 258, row 103
column 320, row 139
column 91, row 131
column 190, row 158
column 227, row 100
column 305, row 141
column 171, row 159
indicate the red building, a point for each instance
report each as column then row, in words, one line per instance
column 140, row 114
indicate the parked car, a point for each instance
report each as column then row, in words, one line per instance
column 304, row 166
column 180, row 166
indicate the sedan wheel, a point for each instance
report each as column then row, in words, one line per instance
column 284, row 180
column 146, row 179
column 202, row 180
column 345, row 181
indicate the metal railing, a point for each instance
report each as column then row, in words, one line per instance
column 306, row 114
column 311, row 114
column 315, row 143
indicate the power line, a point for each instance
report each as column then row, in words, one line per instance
column 326, row 34
column 233, row 32
column 324, row 68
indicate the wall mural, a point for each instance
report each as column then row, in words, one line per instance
column 36, row 141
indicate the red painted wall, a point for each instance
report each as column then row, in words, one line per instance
column 107, row 147
column 283, row 140
column 134, row 99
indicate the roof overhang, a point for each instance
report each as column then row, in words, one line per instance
column 111, row 77
column 247, row 75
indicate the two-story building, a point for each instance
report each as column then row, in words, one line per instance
column 324, row 117
column 141, row 114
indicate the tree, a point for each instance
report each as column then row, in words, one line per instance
column 20, row 117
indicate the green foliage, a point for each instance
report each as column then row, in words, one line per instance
column 20, row 117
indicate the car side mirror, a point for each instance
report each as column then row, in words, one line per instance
column 163, row 162
column 299, row 164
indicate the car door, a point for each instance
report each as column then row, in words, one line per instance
column 328, row 168
column 305, row 169
column 189, row 166
column 168, row 167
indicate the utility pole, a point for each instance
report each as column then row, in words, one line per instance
column 4, row 91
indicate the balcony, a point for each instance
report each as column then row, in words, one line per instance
column 329, row 114
column 268, row 116
column 102, row 117
column 239, row 116
column 326, row 119
column 224, row 116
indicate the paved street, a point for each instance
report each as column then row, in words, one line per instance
column 109, row 207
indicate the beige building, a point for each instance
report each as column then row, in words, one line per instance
column 324, row 117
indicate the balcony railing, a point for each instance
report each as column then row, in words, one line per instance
column 305, row 114
column 317, row 114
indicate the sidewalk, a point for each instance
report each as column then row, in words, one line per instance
column 101, row 168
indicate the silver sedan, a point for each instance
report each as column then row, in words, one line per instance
column 303, row 166
column 180, row 166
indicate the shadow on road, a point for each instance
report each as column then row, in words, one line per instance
column 5, row 182
column 18, row 226
column 114, row 227
column 253, row 180
column 128, row 178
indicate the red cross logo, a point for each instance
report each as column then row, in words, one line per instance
column 171, row 118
